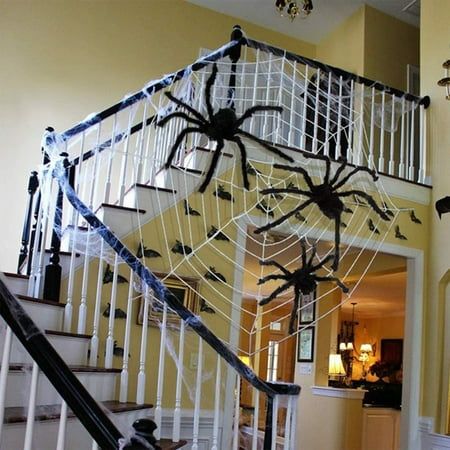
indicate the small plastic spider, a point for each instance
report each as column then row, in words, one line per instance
column 219, row 126
column 304, row 280
column 326, row 196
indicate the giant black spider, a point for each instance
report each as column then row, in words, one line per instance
column 325, row 195
column 304, row 279
column 219, row 126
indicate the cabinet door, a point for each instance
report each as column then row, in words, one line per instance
column 380, row 429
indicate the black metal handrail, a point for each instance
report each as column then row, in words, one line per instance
column 425, row 101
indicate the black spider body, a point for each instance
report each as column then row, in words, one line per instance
column 327, row 195
column 304, row 280
column 220, row 126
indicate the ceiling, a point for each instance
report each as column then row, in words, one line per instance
column 325, row 17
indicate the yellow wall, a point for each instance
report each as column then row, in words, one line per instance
column 63, row 60
column 344, row 47
column 434, row 49
column 389, row 45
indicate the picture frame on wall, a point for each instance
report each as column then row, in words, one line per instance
column 184, row 288
column 307, row 308
column 305, row 345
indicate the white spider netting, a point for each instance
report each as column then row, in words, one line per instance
column 207, row 242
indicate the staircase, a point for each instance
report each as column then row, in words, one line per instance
column 102, row 183
column 99, row 382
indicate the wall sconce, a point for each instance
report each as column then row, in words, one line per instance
column 445, row 82
column 293, row 9
column 364, row 351
column 336, row 371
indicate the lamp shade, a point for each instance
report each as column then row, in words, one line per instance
column 335, row 366
column 366, row 348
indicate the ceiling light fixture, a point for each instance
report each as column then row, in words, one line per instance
column 294, row 9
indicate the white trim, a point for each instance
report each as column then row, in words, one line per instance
column 351, row 394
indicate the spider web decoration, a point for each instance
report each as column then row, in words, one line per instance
column 222, row 234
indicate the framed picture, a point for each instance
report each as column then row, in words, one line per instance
column 305, row 347
column 308, row 308
column 184, row 288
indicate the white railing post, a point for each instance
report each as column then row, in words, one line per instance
column 4, row 369
column 423, row 145
column 29, row 430
column 140, row 391
column 327, row 120
column 215, row 440
column 291, row 112
column 61, row 442
column 180, row 373
column 236, row 414
column 275, row 422
column 339, row 124
column 198, row 393
column 123, row 394
column 411, row 170
column 305, row 110
column 392, row 139
column 383, row 112
column 401, row 166
column 370, row 161
column 316, row 113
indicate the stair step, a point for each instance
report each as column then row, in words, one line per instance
column 120, row 219
column 17, row 283
column 72, row 347
column 167, row 444
column 50, row 412
column 100, row 383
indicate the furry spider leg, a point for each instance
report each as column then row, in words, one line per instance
column 277, row 291
column 294, row 311
column 344, row 288
column 265, row 145
column 337, row 242
column 209, row 83
column 241, row 147
column 272, row 262
column 179, row 102
column 273, row 276
column 326, row 178
column 177, row 143
column 182, row 115
column 299, row 170
column 354, row 172
column 212, row 166
column 254, row 109
column 273, row 224
column 369, row 200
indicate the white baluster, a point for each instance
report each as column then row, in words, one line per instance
column 358, row 157
column 28, row 443
column 255, row 420
column 198, row 394
column 392, row 140
column 215, row 440
column 383, row 112
column 294, row 423
column 140, row 146
column 124, row 166
column 140, row 392
column 411, row 146
column 305, row 111
column 372, row 129
column 4, row 376
column 291, row 130
column 278, row 132
column 351, row 115
column 98, row 301
column 161, row 373
column 327, row 120
column 112, row 154
column 252, row 126
column 339, row 124
column 60, row 445
column 287, row 425
column 236, row 414
column 423, row 141
column 316, row 113
column 111, row 321
column 275, row 422
column 267, row 129
column 180, row 373
column 123, row 393
column 401, row 167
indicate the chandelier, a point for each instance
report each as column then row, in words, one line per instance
column 294, row 8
